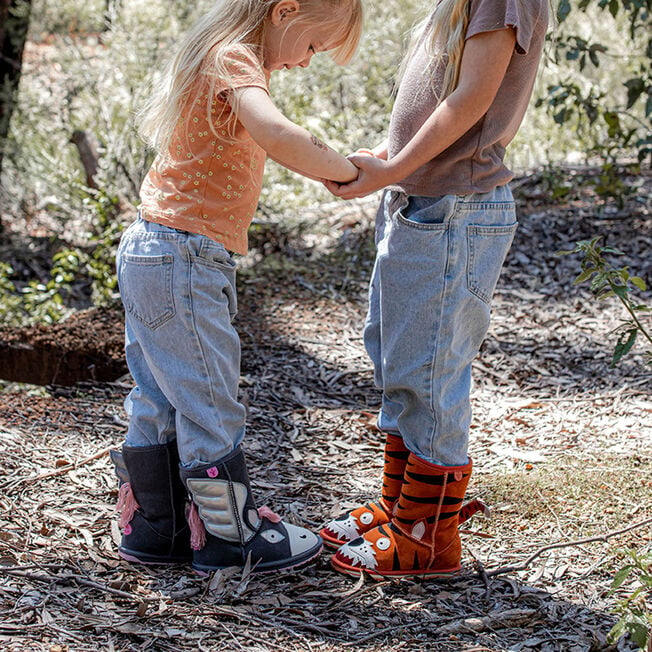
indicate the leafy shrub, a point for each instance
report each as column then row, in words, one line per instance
column 635, row 615
column 606, row 280
column 600, row 91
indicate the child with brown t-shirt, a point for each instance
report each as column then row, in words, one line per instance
column 443, row 230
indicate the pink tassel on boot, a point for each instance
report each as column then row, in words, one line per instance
column 266, row 512
column 127, row 506
column 197, row 529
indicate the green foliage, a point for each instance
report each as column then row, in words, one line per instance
column 555, row 182
column 91, row 265
column 98, row 260
column 70, row 16
column 37, row 302
column 612, row 114
column 47, row 302
column 606, row 281
column 635, row 616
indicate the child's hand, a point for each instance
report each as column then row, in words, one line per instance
column 373, row 175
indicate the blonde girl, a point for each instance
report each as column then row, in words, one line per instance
column 444, row 227
column 185, row 494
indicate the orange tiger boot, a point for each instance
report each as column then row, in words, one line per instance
column 422, row 538
column 352, row 524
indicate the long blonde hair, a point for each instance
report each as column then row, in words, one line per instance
column 444, row 32
column 230, row 23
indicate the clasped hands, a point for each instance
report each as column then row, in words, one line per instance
column 373, row 175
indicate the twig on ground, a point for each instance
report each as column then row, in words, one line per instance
column 508, row 618
column 482, row 573
column 61, row 470
column 281, row 622
column 76, row 579
column 386, row 630
column 564, row 544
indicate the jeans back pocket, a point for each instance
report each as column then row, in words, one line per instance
column 146, row 288
column 487, row 250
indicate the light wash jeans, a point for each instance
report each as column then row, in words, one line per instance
column 178, row 290
column 437, row 264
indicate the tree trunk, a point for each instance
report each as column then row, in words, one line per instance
column 14, row 23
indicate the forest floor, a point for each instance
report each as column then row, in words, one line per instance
column 561, row 444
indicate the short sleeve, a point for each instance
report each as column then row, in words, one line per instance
column 244, row 69
column 523, row 15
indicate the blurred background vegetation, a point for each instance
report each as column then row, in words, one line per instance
column 86, row 70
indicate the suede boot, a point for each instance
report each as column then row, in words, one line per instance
column 422, row 538
column 228, row 530
column 353, row 524
column 152, row 502
column 356, row 522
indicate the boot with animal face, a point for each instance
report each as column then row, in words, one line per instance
column 422, row 538
column 228, row 530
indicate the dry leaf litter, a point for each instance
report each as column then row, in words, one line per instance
column 561, row 443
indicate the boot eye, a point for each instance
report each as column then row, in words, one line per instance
column 383, row 543
column 366, row 518
column 272, row 536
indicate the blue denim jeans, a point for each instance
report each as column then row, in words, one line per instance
column 437, row 264
column 178, row 290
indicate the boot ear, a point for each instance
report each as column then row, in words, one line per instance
column 418, row 530
column 253, row 518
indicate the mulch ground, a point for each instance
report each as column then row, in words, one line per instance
column 561, row 443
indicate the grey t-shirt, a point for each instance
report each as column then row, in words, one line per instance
column 474, row 163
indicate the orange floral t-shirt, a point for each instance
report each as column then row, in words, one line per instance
column 209, row 180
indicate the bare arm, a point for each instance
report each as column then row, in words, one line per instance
column 484, row 63
column 288, row 143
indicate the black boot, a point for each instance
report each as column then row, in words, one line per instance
column 228, row 530
column 152, row 503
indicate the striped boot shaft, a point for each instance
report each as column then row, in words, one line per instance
column 422, row 538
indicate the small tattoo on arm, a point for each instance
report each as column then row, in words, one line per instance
column 318, row 143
